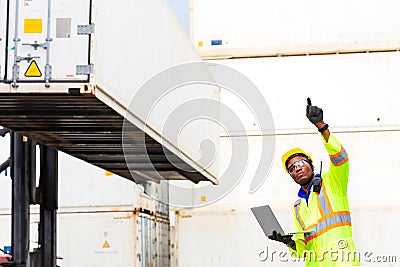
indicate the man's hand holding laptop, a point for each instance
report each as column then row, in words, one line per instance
column 285, row 239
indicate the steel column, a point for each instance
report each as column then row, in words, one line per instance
column 48, row 205
column 20, row 202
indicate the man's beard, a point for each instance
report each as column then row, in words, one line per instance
column 307, row 181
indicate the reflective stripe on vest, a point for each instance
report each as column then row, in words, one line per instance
column 297, row 211
column 324, row 204
column 329, row 219
column 329, row 222
column 340, row 157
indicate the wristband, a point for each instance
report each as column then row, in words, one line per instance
column 323, row 128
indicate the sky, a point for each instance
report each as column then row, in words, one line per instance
column 181, row 9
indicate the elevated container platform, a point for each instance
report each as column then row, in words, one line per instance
column 86, row 128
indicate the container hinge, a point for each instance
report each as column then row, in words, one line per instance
column 84, row 69
column 85, row 29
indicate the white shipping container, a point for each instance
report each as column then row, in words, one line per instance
column 236, row 28
column 118, row 237
column 3, row 17
column 359, row 90
column 75, row 57
column 354, row 90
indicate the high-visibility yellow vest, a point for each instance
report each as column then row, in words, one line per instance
column 327, row 215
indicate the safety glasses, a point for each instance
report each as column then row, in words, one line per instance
column 296, row 164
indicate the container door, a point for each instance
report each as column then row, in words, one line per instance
column 49, row 41
column 162, row 243
column 146, row 241
column 3, row 17
column 139, row 244
column 149, row 224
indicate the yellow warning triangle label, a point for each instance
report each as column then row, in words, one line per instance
column 106, row 245
column 33, row 70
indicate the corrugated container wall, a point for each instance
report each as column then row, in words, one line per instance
column 358, row 93
column 104, row 238
column 160, row 48
column 237, row 28
column 102, row 219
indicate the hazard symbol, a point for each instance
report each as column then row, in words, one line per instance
column 106, row 245
column 33, row 70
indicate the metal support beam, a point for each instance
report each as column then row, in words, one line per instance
column 23, row 173
column 30, row 169
column 48, row 187
column 48, row 238
column 20, row 202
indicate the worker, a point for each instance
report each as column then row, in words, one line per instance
column 5, row 258
column 321, row 213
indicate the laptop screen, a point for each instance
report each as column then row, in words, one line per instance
column 267, row 220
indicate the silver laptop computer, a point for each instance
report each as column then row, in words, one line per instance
column 268, row 222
